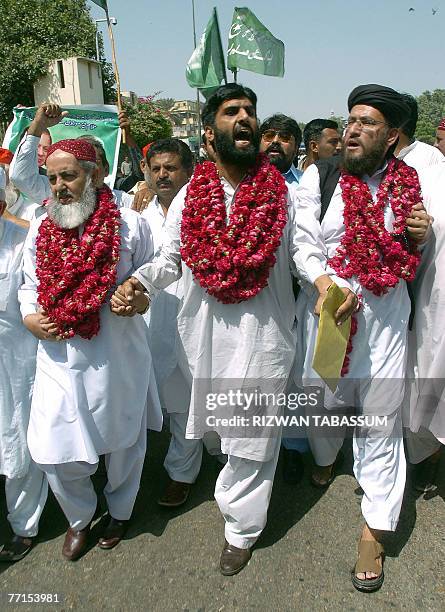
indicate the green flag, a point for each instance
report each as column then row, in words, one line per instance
column 252, row 46
column 101, row 3
column 206, row 66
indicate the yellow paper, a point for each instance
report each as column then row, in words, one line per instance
column 332, row 339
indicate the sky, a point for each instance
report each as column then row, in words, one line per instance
column 331, row 46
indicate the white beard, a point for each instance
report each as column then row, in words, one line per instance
column 69, row 216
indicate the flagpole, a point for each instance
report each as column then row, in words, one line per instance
column 198, row 102
column 116, row 71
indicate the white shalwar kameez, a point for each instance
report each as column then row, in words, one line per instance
column 426, row 371
column 26, row 486
column 420, row 155
column 183, row 459
column 24, row 173
column 90, row 396
column 245, row 345
column 374, row 384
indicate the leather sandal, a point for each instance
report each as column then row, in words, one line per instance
column 333, row 473
column 14, row 550
column 369, row 551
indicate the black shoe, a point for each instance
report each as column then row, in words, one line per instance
column 424, row 475
column 293, row 466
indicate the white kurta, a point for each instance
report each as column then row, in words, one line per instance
column 17, row 357
column 420, row 155
column 427, row 341
column 24, row 173
column 379, row 346
column 25, row 209
column 162, row 325
column 251, row 344
column 90, row 395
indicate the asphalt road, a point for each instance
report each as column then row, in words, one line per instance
column 169, row 559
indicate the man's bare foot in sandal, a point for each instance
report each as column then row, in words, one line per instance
column 322, row 476
column 368, row 572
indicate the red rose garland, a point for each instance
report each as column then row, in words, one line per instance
column 231, row 260
column 75, row 273
column 378, row 258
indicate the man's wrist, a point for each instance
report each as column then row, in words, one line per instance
column 35, row 129
column 322, row 283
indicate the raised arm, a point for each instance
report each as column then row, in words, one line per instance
column 24, row 170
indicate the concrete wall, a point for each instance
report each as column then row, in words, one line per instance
column 71, row 81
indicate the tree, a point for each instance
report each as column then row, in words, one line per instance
column 34, row 32
column 165, row 104
column 148, row 122
column 431, row 110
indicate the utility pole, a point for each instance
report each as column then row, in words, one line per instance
column 197, row 90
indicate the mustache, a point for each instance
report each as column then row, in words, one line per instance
column 164, row 182
column 275, row 147
column 63, row 194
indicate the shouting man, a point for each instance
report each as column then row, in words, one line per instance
column 231, row 234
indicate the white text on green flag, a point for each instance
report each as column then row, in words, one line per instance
column 252, row 47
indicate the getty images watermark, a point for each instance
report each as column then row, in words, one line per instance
column 246, row 408
column 247, row 401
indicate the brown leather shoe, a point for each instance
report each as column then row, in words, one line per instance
column 175, row 494
column 233, row 559
column 113, row 534
column 75, row 543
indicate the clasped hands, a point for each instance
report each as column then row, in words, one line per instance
column 129, row 299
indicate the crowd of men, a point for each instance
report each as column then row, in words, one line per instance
column 118, row 308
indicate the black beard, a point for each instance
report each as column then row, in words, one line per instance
column 280, row 164
column 367, row 163
column 229, row 154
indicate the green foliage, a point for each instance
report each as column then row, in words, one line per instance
column 35, row 32
column 148, row 122
column 165, row 104
column 431, row 110
column 340, row 121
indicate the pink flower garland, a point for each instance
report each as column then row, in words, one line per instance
column 75, row 274
column 231, row 261
column 367, row 250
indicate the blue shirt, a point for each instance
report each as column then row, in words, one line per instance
column 293, row 175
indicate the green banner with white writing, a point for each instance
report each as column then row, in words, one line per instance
column 98, row 120
column 252, row 47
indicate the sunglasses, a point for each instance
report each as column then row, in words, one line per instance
column 270, row 135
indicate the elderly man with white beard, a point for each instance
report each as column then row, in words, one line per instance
column 84, row 405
